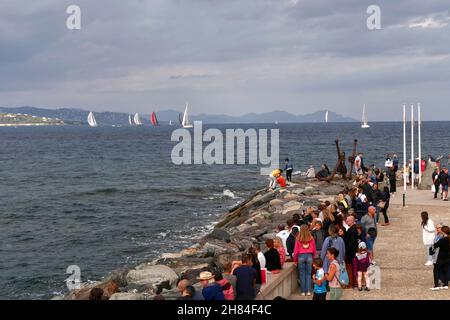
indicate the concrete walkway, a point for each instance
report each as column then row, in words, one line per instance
column 400, row 253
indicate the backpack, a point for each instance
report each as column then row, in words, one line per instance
column 344, row 279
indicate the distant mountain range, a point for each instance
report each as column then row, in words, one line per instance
column 71, row 115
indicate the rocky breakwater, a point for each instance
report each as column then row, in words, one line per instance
column 253, row 220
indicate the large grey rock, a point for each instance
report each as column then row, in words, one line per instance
column 127, row 296
column 269, row 236
column 291, row 197
column 152, row 276
column 219, row 234
column 292, row 209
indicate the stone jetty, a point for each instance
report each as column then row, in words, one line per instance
column 253, row 220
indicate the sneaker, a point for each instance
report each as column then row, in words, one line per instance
column 444, row 288
column 360, row 289
column 303, row 294
column 435, row 289
column 429, row 263
column 308, row 294
column 367, row 289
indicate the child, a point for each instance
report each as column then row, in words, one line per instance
column 320, row 284
column 361, row 263
column 278, row 244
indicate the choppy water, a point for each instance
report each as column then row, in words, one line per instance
column 108, row 197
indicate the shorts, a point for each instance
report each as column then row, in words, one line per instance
column 445, row 188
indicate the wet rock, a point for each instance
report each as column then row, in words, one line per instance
column 127, row 296
column 219, row 234
column 152, row 276
column 119, row 277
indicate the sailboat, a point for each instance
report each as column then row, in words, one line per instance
column 185, row 122
column 91, row 120
column 170, row 122
column 154, row 120
column 130, row 121
column 137, row 120
column 365, row 124
column 326, row 116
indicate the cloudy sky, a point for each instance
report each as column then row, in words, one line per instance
column 227, row 56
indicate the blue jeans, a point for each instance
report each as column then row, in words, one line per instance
column 377, row 214
column 304, row 271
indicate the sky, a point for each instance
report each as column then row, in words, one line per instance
column 228, row 56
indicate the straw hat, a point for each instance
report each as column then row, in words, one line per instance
column 206, row 275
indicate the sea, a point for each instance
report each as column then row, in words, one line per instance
column 110, row 197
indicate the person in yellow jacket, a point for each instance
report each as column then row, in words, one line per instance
column 273, row 178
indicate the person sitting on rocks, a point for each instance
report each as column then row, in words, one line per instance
column 281, row 183
column 272, row 257
column 323, row 173
column 273, row 178
column 211, row 290
column 311, row 173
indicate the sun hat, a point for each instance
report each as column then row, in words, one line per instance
column 205, row 275
column 362, row 245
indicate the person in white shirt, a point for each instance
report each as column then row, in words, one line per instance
column 428, row 236
column 261, row 257
column 283, row 234
column 311, row 173
column 358, row 165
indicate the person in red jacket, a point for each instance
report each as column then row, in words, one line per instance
column 281, row 181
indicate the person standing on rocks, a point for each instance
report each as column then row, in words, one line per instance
column 428, row 236
column 288, row 168
column 305, row 250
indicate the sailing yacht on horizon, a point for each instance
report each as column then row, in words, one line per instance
column 137, row 120
column 185, row 122
column 154, row 120
column 130, row 121
column 365, row 123
column 326, row 116
column 91, row 120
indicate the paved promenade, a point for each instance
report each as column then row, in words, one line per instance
column 400, row 253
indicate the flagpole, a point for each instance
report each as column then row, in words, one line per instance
column 420, row 142
column 404, row 155
column 412, row 147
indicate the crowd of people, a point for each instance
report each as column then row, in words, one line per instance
column 332, row 245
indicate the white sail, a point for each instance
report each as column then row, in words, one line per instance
column 185, row 123
column 326, row 116
column 137, row 120
column 170, row 122
column 91, row 120
column 130, row 121
column 365, row 123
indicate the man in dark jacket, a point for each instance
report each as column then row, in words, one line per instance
column 444, row 178
column 436, row 181
column 290, row 241
column 351, row 247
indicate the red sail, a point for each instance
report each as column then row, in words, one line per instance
column 154, row 120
